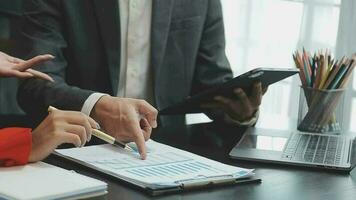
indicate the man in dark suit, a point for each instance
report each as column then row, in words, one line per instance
column 101, row 46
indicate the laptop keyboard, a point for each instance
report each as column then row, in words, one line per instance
column 323, row 149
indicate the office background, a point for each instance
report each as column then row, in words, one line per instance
column 265, row 33
column 259, row 33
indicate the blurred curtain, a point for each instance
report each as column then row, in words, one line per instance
column 346, row 45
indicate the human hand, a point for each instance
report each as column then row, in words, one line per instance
column 126, row 119
column 15, row 67
column 57, row 128
column 241, row 107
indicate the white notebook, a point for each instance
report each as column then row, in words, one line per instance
column 164, row 167
column 44, row 181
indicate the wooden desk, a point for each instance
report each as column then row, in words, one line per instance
column 215, row 141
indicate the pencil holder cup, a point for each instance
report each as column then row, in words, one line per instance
column 321, row 111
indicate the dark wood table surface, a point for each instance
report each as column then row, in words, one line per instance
column 215, row 141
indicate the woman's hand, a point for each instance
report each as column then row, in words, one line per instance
column 15, row 67
column 60, row 127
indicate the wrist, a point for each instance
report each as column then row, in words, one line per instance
column 90, row 102
column 101, row 108
column 32, row 155
column 245, row 122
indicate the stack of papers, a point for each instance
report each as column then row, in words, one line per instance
column 44, row 181
column 165, row 166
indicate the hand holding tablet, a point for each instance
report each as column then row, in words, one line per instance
column 230, row 90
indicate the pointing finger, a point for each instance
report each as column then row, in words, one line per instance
column 138, row 137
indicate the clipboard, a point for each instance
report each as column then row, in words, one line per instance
column 160, row 189
column 266, row 76
column 212, row 184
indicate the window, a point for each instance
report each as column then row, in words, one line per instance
column 265, row 33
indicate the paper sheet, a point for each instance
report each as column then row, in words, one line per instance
column 43, row 181
column 164, row 165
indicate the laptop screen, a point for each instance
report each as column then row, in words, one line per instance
column 263, row 142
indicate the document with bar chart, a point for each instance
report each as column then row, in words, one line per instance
column 165, row 166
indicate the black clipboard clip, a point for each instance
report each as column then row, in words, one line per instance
column 199, row 184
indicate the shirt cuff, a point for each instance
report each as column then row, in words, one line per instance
column 250, row 122
column 90, row 102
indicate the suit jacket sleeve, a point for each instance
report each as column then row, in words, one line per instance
column 15, row 146
column 42, row 33
column 212, row 66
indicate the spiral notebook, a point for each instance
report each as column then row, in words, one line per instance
column 166, row 168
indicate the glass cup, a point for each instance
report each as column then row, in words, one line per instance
column 321, row 111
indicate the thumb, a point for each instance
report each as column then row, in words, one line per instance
column 146, row 128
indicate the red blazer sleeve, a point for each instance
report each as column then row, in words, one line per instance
column 15, row 146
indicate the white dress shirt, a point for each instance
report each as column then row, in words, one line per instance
column 135, row 78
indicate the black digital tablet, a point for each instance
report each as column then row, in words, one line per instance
column 266, row 76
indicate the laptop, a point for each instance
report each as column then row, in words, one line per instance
column 335, row 152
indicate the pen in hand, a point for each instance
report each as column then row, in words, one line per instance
column 103, row 136
column 109, row 139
